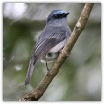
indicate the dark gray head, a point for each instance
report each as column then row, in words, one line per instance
column 57, row 15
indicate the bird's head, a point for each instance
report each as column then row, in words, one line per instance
column 56, row 15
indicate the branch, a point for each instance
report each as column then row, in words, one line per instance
column 39, row 91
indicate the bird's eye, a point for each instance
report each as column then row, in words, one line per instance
column 57, row 16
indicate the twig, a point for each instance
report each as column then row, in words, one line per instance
column 41, row 88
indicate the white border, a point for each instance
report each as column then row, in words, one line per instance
column 51, row 1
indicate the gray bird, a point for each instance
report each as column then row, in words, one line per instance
column 51, row 41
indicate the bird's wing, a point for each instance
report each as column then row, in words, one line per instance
column 44, row 44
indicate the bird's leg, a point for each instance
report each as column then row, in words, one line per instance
column 47, row 66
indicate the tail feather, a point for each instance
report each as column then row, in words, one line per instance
column 30, row 70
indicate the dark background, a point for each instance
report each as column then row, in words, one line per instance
column 79, row 78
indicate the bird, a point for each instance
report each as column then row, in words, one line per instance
column 51, row 41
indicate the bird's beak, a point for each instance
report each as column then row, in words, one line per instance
column 66, row 13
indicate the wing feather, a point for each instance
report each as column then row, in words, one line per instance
column 44, row 44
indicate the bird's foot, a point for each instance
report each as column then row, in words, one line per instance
column 48, row 69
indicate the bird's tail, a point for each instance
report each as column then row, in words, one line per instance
column 30, row 70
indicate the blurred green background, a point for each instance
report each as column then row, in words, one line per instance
column 79, row 78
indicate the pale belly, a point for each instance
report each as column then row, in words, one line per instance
column 50, row 57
